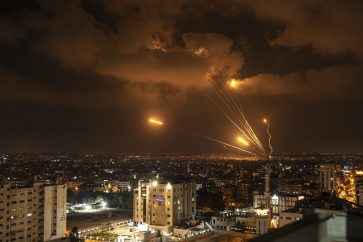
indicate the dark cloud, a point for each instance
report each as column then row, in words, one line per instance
column 85, row 71
column 331, row 27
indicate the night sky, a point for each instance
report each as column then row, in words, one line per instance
column 85, row 75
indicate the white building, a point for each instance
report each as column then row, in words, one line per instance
column 263, row 220
column 289, row 216
column 223, row 221
column 278, row 202
column 164, row 203
column 32, row 212
column 257, row 220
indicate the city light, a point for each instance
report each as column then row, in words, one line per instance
column 168, row 186
column 103, row 204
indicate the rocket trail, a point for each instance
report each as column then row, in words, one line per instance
column 269, row 134
column 231, row 108
column 215, row 140
column 160, row 123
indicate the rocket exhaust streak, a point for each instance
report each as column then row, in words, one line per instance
column 230, row 119
column 248, row 136
column 234, row 114
column 160, row 123
column 215, row 140
column 156, row 122
column 269, row 138
column 269, row 134
column 244, row 121
column 243, row 141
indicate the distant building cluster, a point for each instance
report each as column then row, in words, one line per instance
column 178, row 197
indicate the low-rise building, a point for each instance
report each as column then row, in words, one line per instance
column 278, row 202
column 289, row 216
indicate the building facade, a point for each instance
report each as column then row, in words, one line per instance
column 32, row 212
column 289, row 216
column 359, row 189
column 278, row 202
column 164, row 203
column 328, row 177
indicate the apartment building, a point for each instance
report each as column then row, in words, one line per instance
column 32, row 211
column 164, row 203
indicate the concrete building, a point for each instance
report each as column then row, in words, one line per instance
column 321, row 225
column 164, row 203
column 248, row 221
column 328, row 177
column 223, row 221
column 263, row 220
column 289, row 216
column 278, row 202
column 252, row 220
column 32, row 212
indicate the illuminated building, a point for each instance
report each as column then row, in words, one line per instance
column 253, row 220
column 32, row 212
column 359, row 189
column 263, row 220
column 346, row 188
column 164, row 203
column 328, row 177
column 278, row 202
column 116, row 185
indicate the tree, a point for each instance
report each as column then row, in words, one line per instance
column 210, row 200
column 74, row 237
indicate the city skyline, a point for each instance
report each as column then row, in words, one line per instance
column 85, row 76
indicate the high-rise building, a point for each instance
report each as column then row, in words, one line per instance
column 328, row 177
column 32, row 211
column 164, row 203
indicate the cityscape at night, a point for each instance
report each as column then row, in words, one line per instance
column 162, row 121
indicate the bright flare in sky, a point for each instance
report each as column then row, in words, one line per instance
column 156, row 122
column 233, row 83
column 243, row 141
